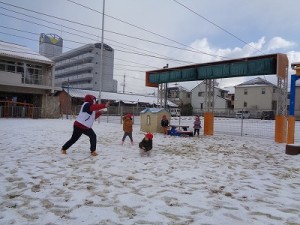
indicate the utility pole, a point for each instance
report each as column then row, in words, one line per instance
column 68, row 96
column 101, row 54
column 101, row 57
column 123, row 84
column 166, row 90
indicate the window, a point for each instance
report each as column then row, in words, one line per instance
column 148, row 120
column 188, row 95
column 200, row 94
column 245, row 104
column 2, row 67
column 245, row 91
column 263, row 91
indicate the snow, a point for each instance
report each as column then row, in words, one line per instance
column 218, row 179
column 19, row 51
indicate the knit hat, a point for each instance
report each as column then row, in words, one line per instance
column 149, row 136
column 89, row 98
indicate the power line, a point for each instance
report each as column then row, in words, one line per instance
column 190, row 48
column 226, row 31
column 115, row 33
column 128, row 52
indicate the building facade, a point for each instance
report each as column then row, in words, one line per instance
column 26, row 83
column 256, row 95
column 179, row 95
column 81, row 68
column 50, row 45
column 221, row 99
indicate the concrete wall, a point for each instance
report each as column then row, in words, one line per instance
column 51, row 106
column 10, row 78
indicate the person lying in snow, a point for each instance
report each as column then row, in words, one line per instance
column 146, row 144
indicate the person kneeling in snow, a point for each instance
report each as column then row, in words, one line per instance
column 146, row 144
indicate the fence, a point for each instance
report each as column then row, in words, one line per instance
column 224, row 123
column 10, row 109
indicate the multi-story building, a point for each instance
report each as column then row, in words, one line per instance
column 221, row 100
column 81, row 68
column 26, row 83
column 256, row 95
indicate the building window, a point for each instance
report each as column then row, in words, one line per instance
column 245, row 104
column 245, row 91
column 188, row 95
column 200, row 94
column 274, row 90
column 263, row 91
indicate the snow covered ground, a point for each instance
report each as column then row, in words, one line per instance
column 218, row 179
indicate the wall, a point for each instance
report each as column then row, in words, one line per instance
column 10, row 78
column 254, row 98
column 51, row 106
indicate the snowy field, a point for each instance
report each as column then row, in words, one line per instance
column 218, row 179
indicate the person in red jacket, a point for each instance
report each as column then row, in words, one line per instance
column 83, row 124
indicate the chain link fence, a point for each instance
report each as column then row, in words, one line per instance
column 224, row 122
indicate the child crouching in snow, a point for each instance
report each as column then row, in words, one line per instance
column 146, row 145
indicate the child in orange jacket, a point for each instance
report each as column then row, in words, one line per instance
column 127, row 128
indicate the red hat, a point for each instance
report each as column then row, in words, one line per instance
column 149, row 136
column 89, row 98
column 129, row 115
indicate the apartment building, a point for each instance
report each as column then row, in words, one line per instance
column 81, row 68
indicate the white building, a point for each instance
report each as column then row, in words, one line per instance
column 81, row 68
column 256, row 95
column 221, row 100
column 26, row 83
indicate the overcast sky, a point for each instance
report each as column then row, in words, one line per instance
column 148, row 34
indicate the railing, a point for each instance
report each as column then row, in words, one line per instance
column 11, row 109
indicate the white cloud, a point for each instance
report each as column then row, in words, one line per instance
column 277, row 43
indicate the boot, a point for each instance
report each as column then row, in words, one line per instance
column 94, row 153
column 64, row 152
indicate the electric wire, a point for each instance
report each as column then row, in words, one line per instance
column 86, row 25
column 221, row 28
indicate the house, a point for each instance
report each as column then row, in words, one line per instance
column 221, row 99
column 256, row 95
column 26, row 83
column 179, row 95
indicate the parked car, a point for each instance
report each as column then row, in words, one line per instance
column 267, row 115
column 242, row 114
